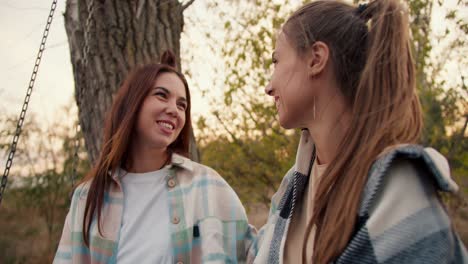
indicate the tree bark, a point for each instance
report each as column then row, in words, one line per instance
column 107, row 38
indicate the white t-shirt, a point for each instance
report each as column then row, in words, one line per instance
column 145, row 235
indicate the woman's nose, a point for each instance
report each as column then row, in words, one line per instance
column 269, row 89
column 171, row 108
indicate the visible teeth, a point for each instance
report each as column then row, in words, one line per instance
column 167, row 125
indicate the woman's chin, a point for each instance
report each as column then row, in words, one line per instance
column 286, row 124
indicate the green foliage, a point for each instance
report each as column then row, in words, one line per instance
column 38, row 192
column 253, row 167
column 246, row 143
column 443, row 92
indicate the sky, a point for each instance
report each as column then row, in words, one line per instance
column 22, row 24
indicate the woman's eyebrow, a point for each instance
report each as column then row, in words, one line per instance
column 162, row 88
column 181, row 98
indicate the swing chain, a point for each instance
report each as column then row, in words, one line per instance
column 75, row 155
column 90, row 8
column 19, row 125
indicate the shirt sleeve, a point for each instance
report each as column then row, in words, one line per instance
column 64, row 254
column 224, row 231
column 407, row 223
column 260, row 244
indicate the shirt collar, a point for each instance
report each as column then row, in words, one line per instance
column 176, row 161
column 181, row 161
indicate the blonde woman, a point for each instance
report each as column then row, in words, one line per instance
column 361, row 190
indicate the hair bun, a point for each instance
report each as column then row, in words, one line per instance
column 168, row 58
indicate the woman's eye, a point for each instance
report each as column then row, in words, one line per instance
column 274, row 61
column 161, row 94
column 182, row 106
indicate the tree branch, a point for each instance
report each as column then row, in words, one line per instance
column 457, row 138
column 189, row 3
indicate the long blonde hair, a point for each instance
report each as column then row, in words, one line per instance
column 371, row 55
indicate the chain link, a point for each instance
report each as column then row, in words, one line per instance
column 19, row 125
column 90, row 8
column 75, row 155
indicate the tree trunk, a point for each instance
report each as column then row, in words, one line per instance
column 107, row 38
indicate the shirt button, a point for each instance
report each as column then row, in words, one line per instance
column 171, row 183
column 175, row 220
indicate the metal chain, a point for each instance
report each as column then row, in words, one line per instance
column 75, row 155
column 19, row 125
column 90, row 8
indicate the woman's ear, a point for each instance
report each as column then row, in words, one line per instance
column 317, row 58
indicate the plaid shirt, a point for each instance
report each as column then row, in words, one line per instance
column 400, row 220
column 208, row 221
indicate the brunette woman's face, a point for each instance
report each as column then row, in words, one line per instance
column 162, row 114
column 290, row 85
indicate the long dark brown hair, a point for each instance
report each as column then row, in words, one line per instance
column 118, row 130
column 371, row 57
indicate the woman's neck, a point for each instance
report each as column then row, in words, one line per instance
column 329, row 128
column 147, row 159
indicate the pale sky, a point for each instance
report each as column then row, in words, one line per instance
column 22, row 23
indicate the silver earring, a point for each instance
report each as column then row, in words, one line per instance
column 314, row 107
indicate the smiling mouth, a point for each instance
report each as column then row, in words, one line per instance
column 277, row 102
column 166, row 124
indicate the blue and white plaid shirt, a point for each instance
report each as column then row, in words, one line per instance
column 208, row 221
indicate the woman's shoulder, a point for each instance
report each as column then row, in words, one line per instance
column 203, row 182
column 196, row 170
column 401, row 217
column 427, row 162
column 81, row 190
column 408, row 175
column 206, row 187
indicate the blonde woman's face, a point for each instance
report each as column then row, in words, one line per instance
column 290, row 85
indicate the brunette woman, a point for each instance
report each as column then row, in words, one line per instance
column 144, row 201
